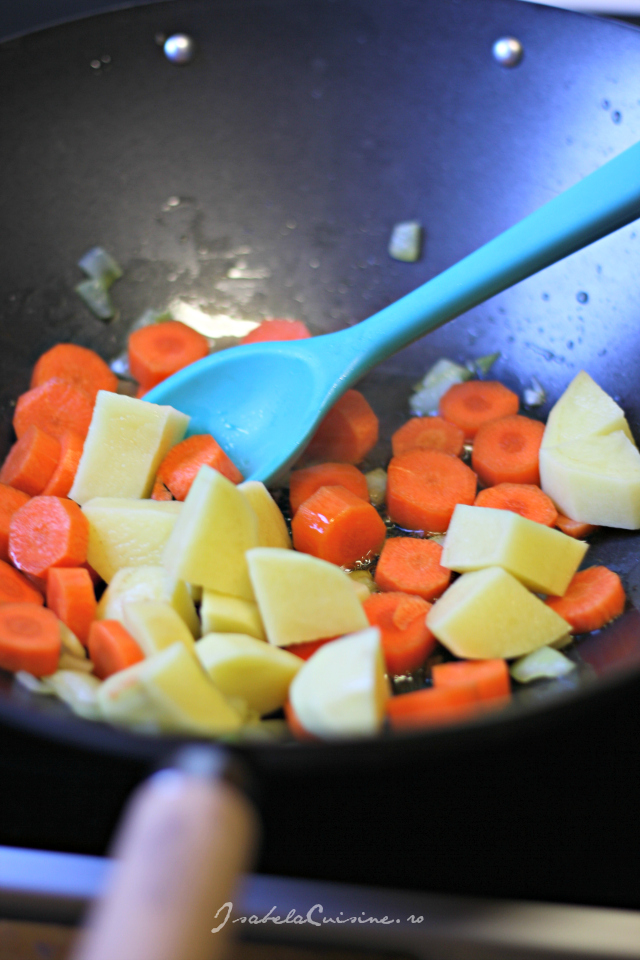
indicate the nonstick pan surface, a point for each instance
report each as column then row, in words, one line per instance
column 301, row 132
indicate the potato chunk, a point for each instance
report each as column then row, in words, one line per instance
column 272, row 527
column 147, row 583
column 223, row 614
column 127, row 440
column 127, row 533
column 155, row 625
column 583, row 410
column 489, row 614
column 541, row 558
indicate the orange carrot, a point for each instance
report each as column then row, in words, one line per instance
column 15, row 588
column 423, row 488
column 593, row 598
column 432, row 707
column 77, row 365
column 70, row 595
column 10, row 501
column 63, row 476
column 336, row 525
column 48, row 532
column 295, row 726
column 111, row 648
column 304, row 483
column 160, row 492
column 306, row 650
column 29, row 639
column 57, row 407
column 157, row 351
column 490, row 677
column 523, row 498
column 31, row 461
column 141, row 392
column 574, row 528
column 475, row 402
column 506, row 451
column 428, row 433
column 407, row 565
column 406, row 638
column 277, row 330
column 347, row 433
column 180, row 467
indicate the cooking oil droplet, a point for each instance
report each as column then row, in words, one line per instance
column 582, row 297
column 616, row 116
column 605, row 104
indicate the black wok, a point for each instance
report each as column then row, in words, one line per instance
column 301, row 132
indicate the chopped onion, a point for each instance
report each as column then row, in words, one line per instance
column 78, row 691
column 406, row 241
column 377, row 486
column 543, row 663
column 31, row 683
column 96, row 296
column 100, row 265
column 80, row 664
column 482, row 365
column 535, row 395
column 435, row 383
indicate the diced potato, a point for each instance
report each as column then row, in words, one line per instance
column 342, row 690
column 124, row 701
column 221, row 613
column 147, row 583
column 489, row 614
column 302, row 598
column 583, row 410
column 126, row 443
column 155, row 625
column 216, row 528
column 541, row 558
column 241, row 666
column 127, row 533
column 272, row 527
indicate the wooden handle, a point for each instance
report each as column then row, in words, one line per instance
column 183, row 844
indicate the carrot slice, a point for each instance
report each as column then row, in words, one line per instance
column 406, row 638
column 475, row 402
column 57, row 407
column 111, row 648
column 71, row 597
column 347, row 433
column 10, row 501
column 428, row 433
column 160, row 492
column 407, row 565
column 141, row 392
column 180, row 467
column 432, row 707
column 490, row 677
column 594, row 597
column 31, row 461
column 77, row 365
column 304, row 483
column 15, row 588
column 507, row 450
column 277, row 329
column 306, row 650
column 336, row 525
column 63, row 476
column 48, row 532
column 157, row 351
column 29, row 639
column 423, row 488
column 295, row 726
column 574, row 528
column 523, row 498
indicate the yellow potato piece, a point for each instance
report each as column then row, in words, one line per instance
column 272, row 527
column 302, row 598
column 543, row 559
column 583, row 410
column 208, row 544
column 155, row 625
column 490, row 614
column 241, row 666
column 126, row 443
column 147, row 583
column 127, row 533
column 221, row 613
column 124, row 701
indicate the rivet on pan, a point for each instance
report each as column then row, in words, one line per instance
column 179, row 48
column 507, row 51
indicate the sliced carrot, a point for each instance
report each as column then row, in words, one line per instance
column 157, row 351
column 475, row 402
column 277, row 329
column 29, row 639
column 428, row 433
column 95, row 577
column 432, row 707
column 141, row 392
column 423, row 488
column 15, row 588
column 160, row 492
column 507, row 450
column 406, row 638
column 306, row 650
column 31, row 461
column 347, row 433
column 295, row 726
column 304, row 483
column 336, row 525
column 491, row 677
column 180, row 467
column 593, row 598
column 408, row 565
column 57, row 407
column 10, row 501
column 574, row 528
column 523, row 498
column 48, row 532
column 71, row 596
column 111, row 648
column 63, row 476
column 78, row 365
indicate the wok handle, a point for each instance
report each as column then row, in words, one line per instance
column 186, row 837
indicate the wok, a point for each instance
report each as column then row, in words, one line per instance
column 300, row 133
